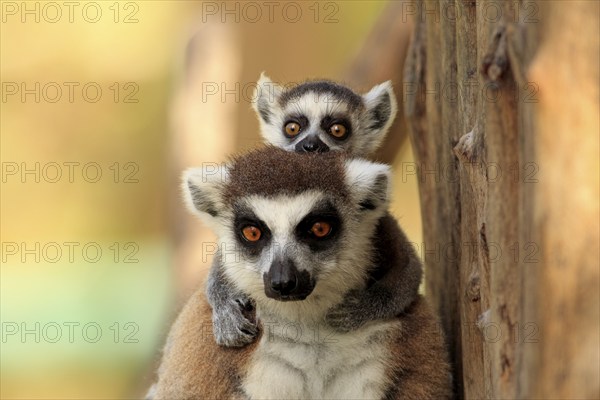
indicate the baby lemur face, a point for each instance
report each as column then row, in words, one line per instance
column 318, row 116
column 292, row 226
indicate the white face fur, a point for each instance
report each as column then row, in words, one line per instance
column 321, row 116
column 323, row 269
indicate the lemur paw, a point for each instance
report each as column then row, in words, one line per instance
column 348, row 315
column 231, row 325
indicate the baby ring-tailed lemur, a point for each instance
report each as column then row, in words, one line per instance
column 318, row 116
column 303, row 234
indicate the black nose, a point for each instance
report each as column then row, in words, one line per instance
column 312, row 144
column 315, row 147
column 284, row 285
column 309, row 147
column 284, row 282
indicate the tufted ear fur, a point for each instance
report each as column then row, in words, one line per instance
column 203, row 188
column 369, row 184
column 265, row 98
column 381, row 109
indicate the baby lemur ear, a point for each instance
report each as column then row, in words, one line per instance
column 203, row 187
column 265, row 98
column 369, row 183
column 381, row 107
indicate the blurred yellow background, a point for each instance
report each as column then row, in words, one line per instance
column 99, row 114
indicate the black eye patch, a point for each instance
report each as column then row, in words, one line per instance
column 245, row 219
column 297, row 118
column 329, row 120
column 329, row 215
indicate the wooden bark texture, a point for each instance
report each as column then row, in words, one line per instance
column 502, row 105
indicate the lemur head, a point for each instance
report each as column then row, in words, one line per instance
column 292, row 226
column 318, row 116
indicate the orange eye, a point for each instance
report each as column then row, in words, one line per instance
column 251, row 233
column 338, row 130
column 320, row 229
column 292, row 129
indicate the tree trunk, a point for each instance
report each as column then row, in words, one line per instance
column 502, row 102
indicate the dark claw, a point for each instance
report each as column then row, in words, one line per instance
column 246, row 305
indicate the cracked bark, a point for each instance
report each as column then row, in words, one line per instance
column 517, row 294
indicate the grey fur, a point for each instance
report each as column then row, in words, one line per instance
column 231, row 325
column 397, row 270
column 396, row 287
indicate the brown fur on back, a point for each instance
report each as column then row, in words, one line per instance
column 421, row 369
column 194, row 367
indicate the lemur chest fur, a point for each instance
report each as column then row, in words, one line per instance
column 303, row 362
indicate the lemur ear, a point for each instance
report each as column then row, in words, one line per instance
column 369, row 183
column 202, row 188
column 382, row 107
column 265, row 97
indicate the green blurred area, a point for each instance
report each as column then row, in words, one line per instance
column 82, row 329
column 129, row 142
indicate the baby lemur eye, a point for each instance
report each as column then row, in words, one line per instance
column 251, row 233
column 292, row 129
column 338, row 130
column 320, row 229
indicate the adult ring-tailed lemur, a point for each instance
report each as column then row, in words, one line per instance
column 299, row 240
column 316, row 117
